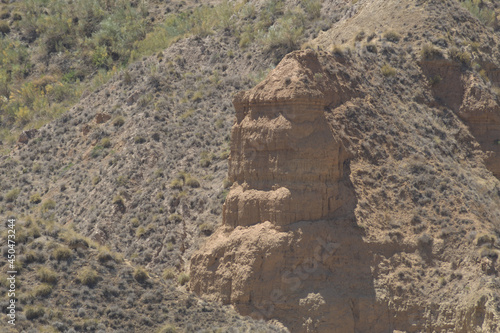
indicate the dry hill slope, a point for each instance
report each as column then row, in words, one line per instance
column 364, row 164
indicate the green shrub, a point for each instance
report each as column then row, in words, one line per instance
column 206, row 228
column 192, row 182
column 104, row 256
column 140, row 231
column 62, row 253
column 96, row 180
column 42, row 290
column 206, row 159
column 135, row 222
column 32, row 312
column 4, row 14
column 100, row 56
column 77, row 241
column 312, row 8
column 35, row 198
column 4, row 27
column 106, row 142
column 483, row 13
column 175, row 218
column 139, row 140
column 46, row 275
column 183, row 278
column 285, row 33
column 387, row 70
column 140, row 275
column 96, row 151
column 430, row 52
column 118, row 121
column 48, row 204
column 122, row 180
column 169, row 273
column 176, row 184
column 169, row 328
column 87, row 276
column 392, row 36
column 197, row 96
column 32, row 256
column 461, row 56
column 12, row 195
column 118, row 200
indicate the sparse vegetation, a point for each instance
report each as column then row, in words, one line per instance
column 46, row 275
column 175, row 218
column 12, row 195
column 62, row 253
column 430, row 52
column 392, row 36
column 48, row 204
column 42, row 290
column 169, row 328
column 34, row 312
column 461, row 56
column 118, row 121
column 388, row 70
column 140, row 275
column 169, row 101
column 183, row 278
column 479, row 10
column 87, row 276
column 169, row 273
column 35, row 198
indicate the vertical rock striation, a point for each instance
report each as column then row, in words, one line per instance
column 285, row 162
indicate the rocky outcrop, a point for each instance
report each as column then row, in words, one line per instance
column 480, row 110
column 25, row 136
column 285, row 162
column 289, row 241
column 469, row 97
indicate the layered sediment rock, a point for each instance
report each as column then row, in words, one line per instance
column 285, row 162
column 288, row 225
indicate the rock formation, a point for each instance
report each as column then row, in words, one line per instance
column 293, row 245
column 470, row 98
column 285, row 162
column 289, row 240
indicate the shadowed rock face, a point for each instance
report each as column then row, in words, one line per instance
column 472, row 101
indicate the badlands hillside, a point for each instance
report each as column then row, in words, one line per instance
column 251, row 166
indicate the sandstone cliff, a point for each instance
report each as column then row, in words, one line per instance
column 335, row 223
column 286, row 163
